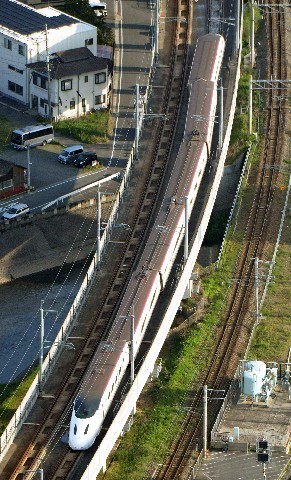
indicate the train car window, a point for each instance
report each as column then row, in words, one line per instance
column 75, row 429
column 86, row 429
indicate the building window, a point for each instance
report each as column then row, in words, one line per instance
column 99, row 99
column 41, row 102
column 86, row 79
column 100, row 77
column 83, row 102
column 6, row 184
column 66, row 85
column 89, row 41
column 72, row 104
column 15, row 88
column 21, row 49
column 8, row 43
column 40, row 81
column 14, row 69
column 43, row 83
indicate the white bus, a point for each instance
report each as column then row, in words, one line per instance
column 100, row 8
column 31, row 136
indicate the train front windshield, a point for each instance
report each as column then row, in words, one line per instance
column 86, row 407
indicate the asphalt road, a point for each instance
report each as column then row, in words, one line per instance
column 50, row 179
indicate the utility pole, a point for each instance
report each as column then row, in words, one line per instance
column 98, row 246
column 252, row 34
column 205, row 400
column 141, row 116
column 221, row 116
column 257, row 312
column 48, row 76
column 204, row 421
column 40, row 376
column 28, row 168
column 157, row 32
column 251, row 106
column 136, row 120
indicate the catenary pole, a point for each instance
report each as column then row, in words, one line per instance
column 221, row 115
column 204, row 421
column 48, row 76
column 251, row 106
column 98, row 249
column 136, row 119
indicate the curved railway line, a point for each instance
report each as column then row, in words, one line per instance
column 45, row 447
column 234, row 334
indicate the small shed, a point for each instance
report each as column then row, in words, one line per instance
column 12, row 178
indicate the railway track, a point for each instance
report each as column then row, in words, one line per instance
column 45, row 447
column 234, row 334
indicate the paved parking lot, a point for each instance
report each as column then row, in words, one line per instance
column 240, row 466
column 45, row 168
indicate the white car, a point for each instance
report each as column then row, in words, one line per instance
column 17, row 210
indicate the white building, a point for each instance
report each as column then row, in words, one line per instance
column 29, row 38
column 80, row 83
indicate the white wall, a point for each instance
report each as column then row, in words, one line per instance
column 12, row 58
column 58, row 39
column 88, row 91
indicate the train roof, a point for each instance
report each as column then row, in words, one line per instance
column 97, row 377
column 207, row 48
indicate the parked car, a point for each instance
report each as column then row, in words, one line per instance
column 85, row 159
column 69, row 154
column 17, row 210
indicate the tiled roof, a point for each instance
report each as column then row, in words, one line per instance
column 72, row 62
column 5, row 167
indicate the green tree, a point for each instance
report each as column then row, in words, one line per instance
column 82, row 10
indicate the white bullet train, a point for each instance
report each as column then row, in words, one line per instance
column 108, row 365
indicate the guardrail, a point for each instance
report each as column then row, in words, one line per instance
column 82, row 189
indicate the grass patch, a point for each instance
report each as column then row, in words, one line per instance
column 93, row 128
column 5, row 131
column 11, row 396
column 273, row 336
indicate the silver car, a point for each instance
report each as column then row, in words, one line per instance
column 17, row 210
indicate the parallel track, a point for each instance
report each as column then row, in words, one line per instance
column 234, row 334
column 45, row 448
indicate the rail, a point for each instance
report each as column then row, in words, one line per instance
column 81, row 295
column 98, row 462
